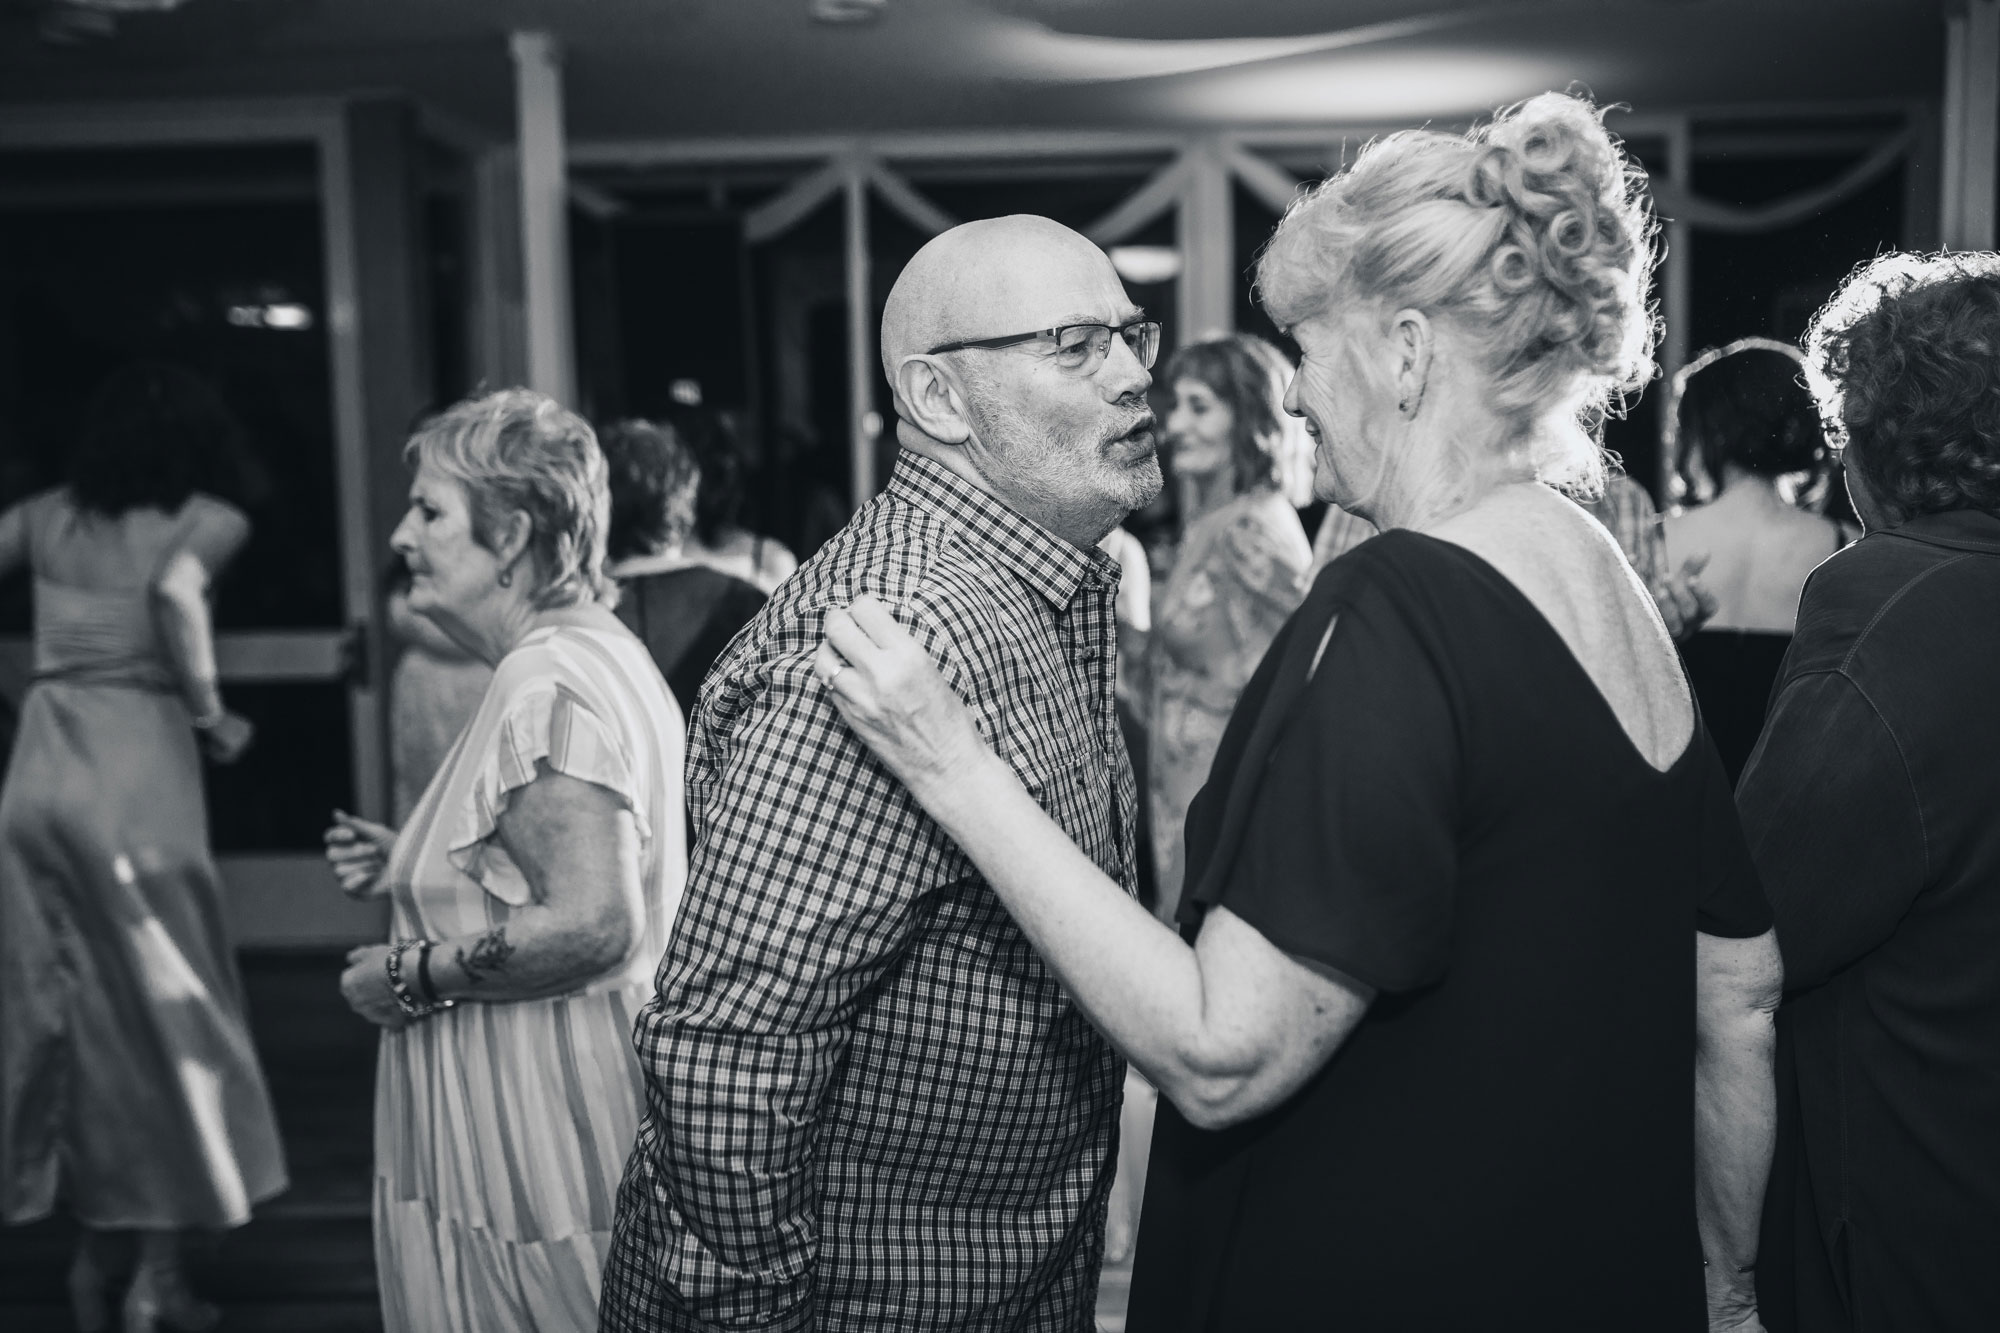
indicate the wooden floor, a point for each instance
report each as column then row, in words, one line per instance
column 306, row 1263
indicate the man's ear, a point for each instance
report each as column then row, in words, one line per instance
column 928, row 397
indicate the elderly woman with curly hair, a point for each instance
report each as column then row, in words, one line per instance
column 1870, row 805
column 533, row 889
column 1433, row 1028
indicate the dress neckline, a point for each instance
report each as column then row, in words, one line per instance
column 1491, row 573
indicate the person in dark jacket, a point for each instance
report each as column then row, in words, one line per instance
column 1872, row 806
column 686, row 613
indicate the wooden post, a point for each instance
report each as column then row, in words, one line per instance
column 538, row 115
column 381, row 357
column 861, row 369
column 1971, row 124
column 1676, row 296
column 1208, row 247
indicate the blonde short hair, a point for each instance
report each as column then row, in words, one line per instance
column 1529, row 233
column 518, row 450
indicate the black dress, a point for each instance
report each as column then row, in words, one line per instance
column 686, row 617
column 1732, row 672
column 1447, row 809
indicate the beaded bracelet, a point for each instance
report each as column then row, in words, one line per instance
column 405, row 998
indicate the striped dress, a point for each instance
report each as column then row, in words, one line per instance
column 501, row 1129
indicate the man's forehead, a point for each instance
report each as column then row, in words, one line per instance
column 1050, row 299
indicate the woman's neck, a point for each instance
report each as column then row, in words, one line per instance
column 1743, row 487
column 1202, row 493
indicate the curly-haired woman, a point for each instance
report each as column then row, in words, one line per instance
column 1870, row 808
column 1433, row 1035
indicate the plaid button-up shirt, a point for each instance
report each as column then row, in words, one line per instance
column 870, row 1105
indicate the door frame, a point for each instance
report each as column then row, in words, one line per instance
column 280, row 899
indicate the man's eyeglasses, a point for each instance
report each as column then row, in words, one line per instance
column 1076, row 347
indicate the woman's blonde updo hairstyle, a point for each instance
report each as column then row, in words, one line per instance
column 516, row 449
column 1530, row 234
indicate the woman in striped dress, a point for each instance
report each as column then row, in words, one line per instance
column 534, row 885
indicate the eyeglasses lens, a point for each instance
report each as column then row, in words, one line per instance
column 1144, row 340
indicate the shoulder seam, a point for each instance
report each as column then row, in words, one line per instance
column 1902, row 756
column 1886, row 607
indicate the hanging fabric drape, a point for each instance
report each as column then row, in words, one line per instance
column 1671, row 200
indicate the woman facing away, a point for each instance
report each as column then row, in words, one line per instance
column 684, row 613
column 1428, row 1044
column 717, row 539
column 1870, row 805
column 1240, row 571
column 1743, row 418
column 533, row 889
column 129, row 1088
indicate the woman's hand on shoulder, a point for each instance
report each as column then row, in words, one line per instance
column 365, row 987
column 892, row 694
column 358, row 851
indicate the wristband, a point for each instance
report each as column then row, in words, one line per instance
column 425, row 988
column 406, row 1000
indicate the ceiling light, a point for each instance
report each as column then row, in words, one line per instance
column 846, row 11
column 1146, row 264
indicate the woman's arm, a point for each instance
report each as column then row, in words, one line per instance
column 578, row 848
column 1227, row 1029
column 13, row 538
column 180, row 600
column 1738, row 986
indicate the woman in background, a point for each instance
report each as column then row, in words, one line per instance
column 434, row 689
column 717, row 539
column 1744, row 419
column 533, row 890
column 1240, row 571
column 685, row 614
column 1870, row 808
column 128, row 1084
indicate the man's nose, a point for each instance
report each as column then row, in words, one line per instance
column 1291, row 402
column 1122, row 375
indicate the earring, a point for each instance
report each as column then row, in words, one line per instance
column 506, row 578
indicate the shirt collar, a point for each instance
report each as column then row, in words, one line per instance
column 1959, row 529
column 1044, row 561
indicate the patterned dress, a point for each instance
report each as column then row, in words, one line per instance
column 1241, row 572
column 129, row 1089
column 501, row 1129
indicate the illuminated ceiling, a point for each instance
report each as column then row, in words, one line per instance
column 652, row 68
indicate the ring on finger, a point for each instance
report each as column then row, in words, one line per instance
column 838, row 668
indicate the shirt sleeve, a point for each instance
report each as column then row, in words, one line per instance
column 810, row 881
column 1350, row 854
column 1833, row 825
column 216, row 532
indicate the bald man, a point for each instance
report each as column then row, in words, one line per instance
column 870, row 1107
